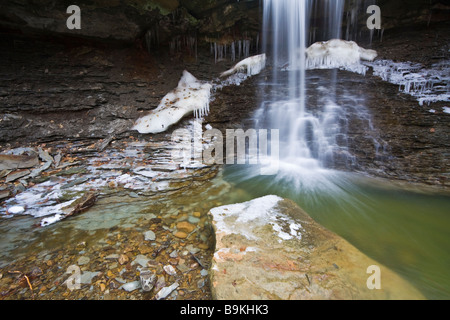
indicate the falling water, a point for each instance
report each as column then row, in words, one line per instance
column 306, row 136
column 312, row 131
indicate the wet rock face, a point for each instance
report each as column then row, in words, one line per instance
column 126, row 21
column 269, row 248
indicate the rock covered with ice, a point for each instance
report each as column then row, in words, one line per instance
column 252, row 66
column 338, row 54
column 191, row 96
column 269, row 248
column 238, row 218
column 427, row 85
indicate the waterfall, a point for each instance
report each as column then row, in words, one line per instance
column 312, row 130
column 306, row 137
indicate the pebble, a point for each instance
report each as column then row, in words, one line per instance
column 160, row 283
column 113, row 256
column 204, row 273
column 164, row 292
column 123, row 259
column 203, row 246
column 185, row 226
column 173, row 254
column 201, row 283
column 131, row 286
column 141, row 260
column 180, row 234
column 83, row 260
column 149, row 236
column 170, row 270
column 87, row 277
column 183, row 268
column 197, row 214
column 192, row 249
column 193, row 220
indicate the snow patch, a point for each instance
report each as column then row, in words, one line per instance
column 237, row 218
column 191, row 95
column 338, row 54
column 252, row 66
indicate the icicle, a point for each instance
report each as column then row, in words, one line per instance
column 424, row 84
column 338, row 54
column 252, row 65
column 191, row 96
column 233, row 52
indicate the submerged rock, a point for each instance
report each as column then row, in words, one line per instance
column 269, row 248
column 166, row 291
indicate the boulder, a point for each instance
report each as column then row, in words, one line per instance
column 269, row 248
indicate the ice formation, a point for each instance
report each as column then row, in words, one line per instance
column 191, row 95
column 252, row 65
column 339, row 54
column 237, row 217
column 426, row 85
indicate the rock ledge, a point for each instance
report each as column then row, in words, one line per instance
column 269, row 248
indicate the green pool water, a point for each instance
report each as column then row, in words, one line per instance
column 405, row 229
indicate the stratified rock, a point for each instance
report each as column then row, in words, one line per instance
column 12, row 162
column 269, row 248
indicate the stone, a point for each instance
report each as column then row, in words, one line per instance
column 170, row 270
column 148, row 280
column 183, row 268
column 113, row 256
column 123, row 259
column 87, row 276
column 83, row 260
column 4, row 194
column 193, row 220
column 13, row 162
column 185, row 227
column 180, row 234
column 143, row 249
column 269, row 248
column 13, row 176
column 201, row 283
column 141, row 260
column 149, row 236
column 166, row 291
column 131, row 286
column 192, row 249
column 204, row 272
column 173, row 254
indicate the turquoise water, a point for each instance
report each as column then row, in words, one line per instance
column 406, row 230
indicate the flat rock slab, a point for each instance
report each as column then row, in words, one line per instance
column 269, row 248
